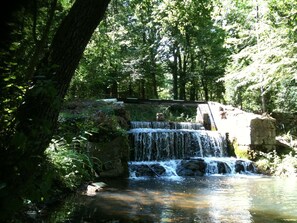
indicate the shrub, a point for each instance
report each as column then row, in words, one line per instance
column 287, row 166
column 71, row 167
column 274, row 164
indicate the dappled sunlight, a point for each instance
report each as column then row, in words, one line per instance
column 205, row 199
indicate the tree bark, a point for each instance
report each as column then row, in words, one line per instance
column 182, row 77
column 174, row 69
column 205, row 89
column 37, row 117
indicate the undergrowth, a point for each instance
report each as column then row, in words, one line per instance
column 71, row 164
column 280, row 162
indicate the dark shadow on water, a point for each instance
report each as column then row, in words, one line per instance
column 272, row 217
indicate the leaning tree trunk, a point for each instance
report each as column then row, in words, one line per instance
column 37, row 117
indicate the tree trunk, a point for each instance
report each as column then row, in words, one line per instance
column 153, row 72
column 174, row 69
column 142, row 89
column 37, row 117
column 205, row 89
column 193, row 82
column 193, row 92
column 154, row 85
column 114, row 89
column 182, row 77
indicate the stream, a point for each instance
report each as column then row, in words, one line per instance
column 180, row 172
column 213, row 199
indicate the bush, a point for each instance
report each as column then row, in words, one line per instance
column 71, row 167
column 274, row 164
column 287, row 166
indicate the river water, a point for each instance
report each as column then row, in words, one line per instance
column 211, row 199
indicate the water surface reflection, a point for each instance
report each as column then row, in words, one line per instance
column 214, row 199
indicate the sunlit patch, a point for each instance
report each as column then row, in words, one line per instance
column 203, row 199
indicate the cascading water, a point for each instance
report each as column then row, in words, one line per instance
column 180, row 149
column 163, row 144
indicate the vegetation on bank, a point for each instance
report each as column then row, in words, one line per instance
column 79, row 123
column 69, row 164
column 282, row 161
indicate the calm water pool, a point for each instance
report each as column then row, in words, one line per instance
column 212, row 199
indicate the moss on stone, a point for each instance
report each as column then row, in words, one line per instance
column 113, row 156
column 243, row 152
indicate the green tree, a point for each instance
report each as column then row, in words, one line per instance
column 191, row 41
column 37, row 116
column 149, row 49
column 263, row 54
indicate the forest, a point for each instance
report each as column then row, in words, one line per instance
column 241, row 53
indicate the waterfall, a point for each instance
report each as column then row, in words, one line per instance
column 164, row 144
column 180, row 149
column 191, row 167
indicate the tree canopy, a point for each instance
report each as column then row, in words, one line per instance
column 239, row 52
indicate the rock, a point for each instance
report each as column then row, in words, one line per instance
column 239, row 167
column 94, row 188
column 248, row 132
column 263, row 133
column 112, row 168
column 251, row 168
column 123, row 117
column 153, row 170
column 111, row 157
column 160, row 117
column 223, row 168
column 191, row 168
column 158, row 169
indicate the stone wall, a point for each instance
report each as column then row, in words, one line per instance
column 248, row 132
column 111, row 157
column 263, row 133
column 108, row 142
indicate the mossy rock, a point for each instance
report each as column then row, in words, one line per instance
column 113, row 157
column 243, row 151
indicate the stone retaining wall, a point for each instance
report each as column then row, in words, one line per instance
column 248, row 132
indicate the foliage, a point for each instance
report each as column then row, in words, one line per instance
column 71, row 167
column 153, row 49
column 33, row 27
column 263, row 59
column 62, row 213
column 283, row 160
column 171, row 113
column 90, row 119
column 195, row 50
column 274, row 164
column 150, row 49
column 43, row 70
